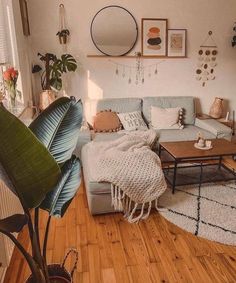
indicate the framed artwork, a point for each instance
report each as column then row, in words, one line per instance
column 154, row 37
column 177, row 39
column 24, row 17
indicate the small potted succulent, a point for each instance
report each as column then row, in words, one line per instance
column 63, row 36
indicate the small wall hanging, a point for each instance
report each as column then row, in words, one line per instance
column 138, row 73
column 234, row 37
column 207, row 60
column 63, row 33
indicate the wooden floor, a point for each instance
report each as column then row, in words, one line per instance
column 112, row 250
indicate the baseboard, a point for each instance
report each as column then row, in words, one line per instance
column 2, row 274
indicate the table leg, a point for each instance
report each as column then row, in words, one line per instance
column 220, row 162
column 159, row 152
column 201, row 175
column 174, row 177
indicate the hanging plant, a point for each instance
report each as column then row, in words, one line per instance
column 63, row 32
column 63, row 36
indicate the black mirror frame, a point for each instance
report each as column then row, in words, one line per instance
column 112, row 6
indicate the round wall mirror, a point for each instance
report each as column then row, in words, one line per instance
column 114, row 31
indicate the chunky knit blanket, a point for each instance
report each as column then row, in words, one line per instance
column 133, row 170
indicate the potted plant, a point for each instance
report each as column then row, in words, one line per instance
column 63, row 36
column 10, row 77
column 43, row 174
column 51, row 76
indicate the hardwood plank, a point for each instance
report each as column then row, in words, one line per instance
column 108, row 275
column 94, row 264
column 112, row 250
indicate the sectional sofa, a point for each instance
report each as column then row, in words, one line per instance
column 98, row 194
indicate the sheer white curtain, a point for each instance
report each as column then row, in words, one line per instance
column 4, row 55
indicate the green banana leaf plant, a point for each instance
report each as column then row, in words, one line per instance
column 43, row 172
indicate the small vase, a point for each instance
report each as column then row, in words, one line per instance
column 216, row 109
column 12, row 94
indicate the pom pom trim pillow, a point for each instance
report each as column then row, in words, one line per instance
column 132, row 121
column 106, row 121
column 166, row 118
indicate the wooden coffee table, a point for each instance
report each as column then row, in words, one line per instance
column 185, row 152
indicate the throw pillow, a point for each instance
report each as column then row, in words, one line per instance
column 166, row 118
column 132, row 121
column 106, row 121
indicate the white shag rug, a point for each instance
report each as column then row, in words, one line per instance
column 208, row 212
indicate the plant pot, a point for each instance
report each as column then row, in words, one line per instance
column 46, row 98
column 58, row 273
column 63, row 39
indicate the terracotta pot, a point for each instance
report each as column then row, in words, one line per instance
column 216, row 109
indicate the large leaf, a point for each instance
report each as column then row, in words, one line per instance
column 14, row 223
column 68, row 63
column 57, row 127
column 57, row 201
column 56, row 83
column 29, row 165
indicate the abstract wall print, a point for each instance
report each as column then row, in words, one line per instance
column 154, row 37
column 177, row 39
column 207, row 60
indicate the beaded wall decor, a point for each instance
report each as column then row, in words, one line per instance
column 137, row 73
column 207, row 60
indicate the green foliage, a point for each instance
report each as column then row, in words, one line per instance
column 63, row 32
column 57, row 127
column 54, row 68
column 29, row 165
column 57, row 201
column 13, row 223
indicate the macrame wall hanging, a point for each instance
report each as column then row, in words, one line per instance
column 137, row 73
column 207, row 60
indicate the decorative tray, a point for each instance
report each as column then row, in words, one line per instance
column 202, row 148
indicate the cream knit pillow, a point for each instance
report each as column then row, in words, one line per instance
column 166, row 118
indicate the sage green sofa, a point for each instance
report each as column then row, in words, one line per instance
column 99, row 194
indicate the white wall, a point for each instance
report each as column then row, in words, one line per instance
column 96, row 77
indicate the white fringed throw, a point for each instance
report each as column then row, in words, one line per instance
column 134, row 171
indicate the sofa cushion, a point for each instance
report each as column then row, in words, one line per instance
column 106, row 121
column 132, row 121
column 185, row 102
column 92, row 187
column 120, row 105
column 165, row 118
column 107, row 136
column 216, row 128
column 189, row 133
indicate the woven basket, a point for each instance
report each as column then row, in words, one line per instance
column 58, row 273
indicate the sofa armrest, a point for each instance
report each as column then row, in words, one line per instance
column 216, row 128
column 84, row 137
